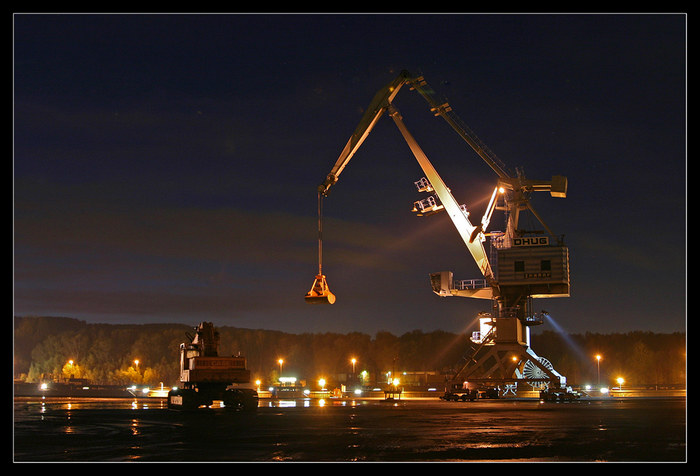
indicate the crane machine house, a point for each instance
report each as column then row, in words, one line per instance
column 519, row 267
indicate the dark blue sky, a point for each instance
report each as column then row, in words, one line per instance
column 165, row 166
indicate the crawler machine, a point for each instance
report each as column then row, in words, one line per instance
column 206, row 377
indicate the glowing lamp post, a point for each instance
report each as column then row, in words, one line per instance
column 353, row 379
column 69, row 369
column 620, row 381
column 598, row 357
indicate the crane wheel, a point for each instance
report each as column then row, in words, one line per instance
column 241, row 399
column 182, row 399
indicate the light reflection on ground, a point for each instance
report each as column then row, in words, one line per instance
column 350, row 430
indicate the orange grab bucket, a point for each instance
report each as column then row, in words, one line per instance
column 319, row 293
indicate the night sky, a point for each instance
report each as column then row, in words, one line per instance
column 165, row 166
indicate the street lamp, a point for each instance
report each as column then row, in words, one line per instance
column 598, row 357
column 620, row 381
column 280, row 361
column 69, row 369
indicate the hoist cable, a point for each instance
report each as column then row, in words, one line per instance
column 320, row 233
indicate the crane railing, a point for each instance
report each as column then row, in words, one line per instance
column 470, row 284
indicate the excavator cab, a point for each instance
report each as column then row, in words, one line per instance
column 319, row 293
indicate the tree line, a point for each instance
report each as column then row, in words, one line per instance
column 61, row 348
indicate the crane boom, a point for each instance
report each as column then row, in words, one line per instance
column 381, row 103
column 443, row 109
column 518, row 184
column 374, row 112
column 455, row 211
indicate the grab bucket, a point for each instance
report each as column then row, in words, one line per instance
column 319, row 293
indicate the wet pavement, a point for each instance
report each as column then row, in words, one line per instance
column 344, row 430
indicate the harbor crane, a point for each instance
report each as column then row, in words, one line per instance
column 522, row 264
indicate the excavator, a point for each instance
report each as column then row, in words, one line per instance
column 528, row 264
column 206, row 377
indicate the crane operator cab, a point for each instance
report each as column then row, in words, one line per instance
column 319, row 293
